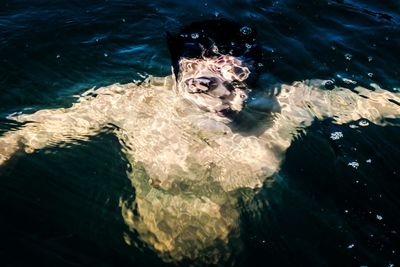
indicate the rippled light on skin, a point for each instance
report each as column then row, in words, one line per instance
column 196, row 74
column 187, row 166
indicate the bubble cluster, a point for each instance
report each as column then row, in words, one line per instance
column 336, row 135
column 353, row 164
column 348, row 56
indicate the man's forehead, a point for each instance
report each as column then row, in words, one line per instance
column 229, row 67
column 218, row 60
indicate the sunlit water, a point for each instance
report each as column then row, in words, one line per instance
column 334, row 200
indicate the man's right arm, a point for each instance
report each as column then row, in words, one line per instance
column 49, row 127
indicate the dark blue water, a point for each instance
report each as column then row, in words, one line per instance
column 59, row 207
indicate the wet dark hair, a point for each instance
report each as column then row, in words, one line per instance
column 215, row 37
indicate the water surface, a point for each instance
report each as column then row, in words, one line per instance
column 60, row 206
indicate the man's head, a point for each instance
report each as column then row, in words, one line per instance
column 214, row 61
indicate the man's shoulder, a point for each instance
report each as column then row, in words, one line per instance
column 151, row 86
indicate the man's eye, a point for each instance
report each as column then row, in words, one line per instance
column 202, row 84
column 237, row 71
column 209, row 82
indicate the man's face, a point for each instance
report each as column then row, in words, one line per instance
column 214, row 84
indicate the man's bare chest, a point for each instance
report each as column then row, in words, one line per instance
column 195, row 150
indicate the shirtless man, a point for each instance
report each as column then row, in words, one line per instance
column 189, row 163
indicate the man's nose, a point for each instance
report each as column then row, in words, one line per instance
column 224, row 91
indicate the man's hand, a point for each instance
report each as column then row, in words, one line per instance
column 9, row 145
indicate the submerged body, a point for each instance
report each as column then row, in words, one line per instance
column 187, row 165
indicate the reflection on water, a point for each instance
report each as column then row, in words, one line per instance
column 189, row 171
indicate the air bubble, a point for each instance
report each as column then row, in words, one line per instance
column 194, row 35
column 348, row 56
column 245, row 30
column 329, row 84
column 248, row 46
column 370, row 74
column 215, row 49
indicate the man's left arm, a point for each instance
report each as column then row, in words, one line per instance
column 342, row 104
